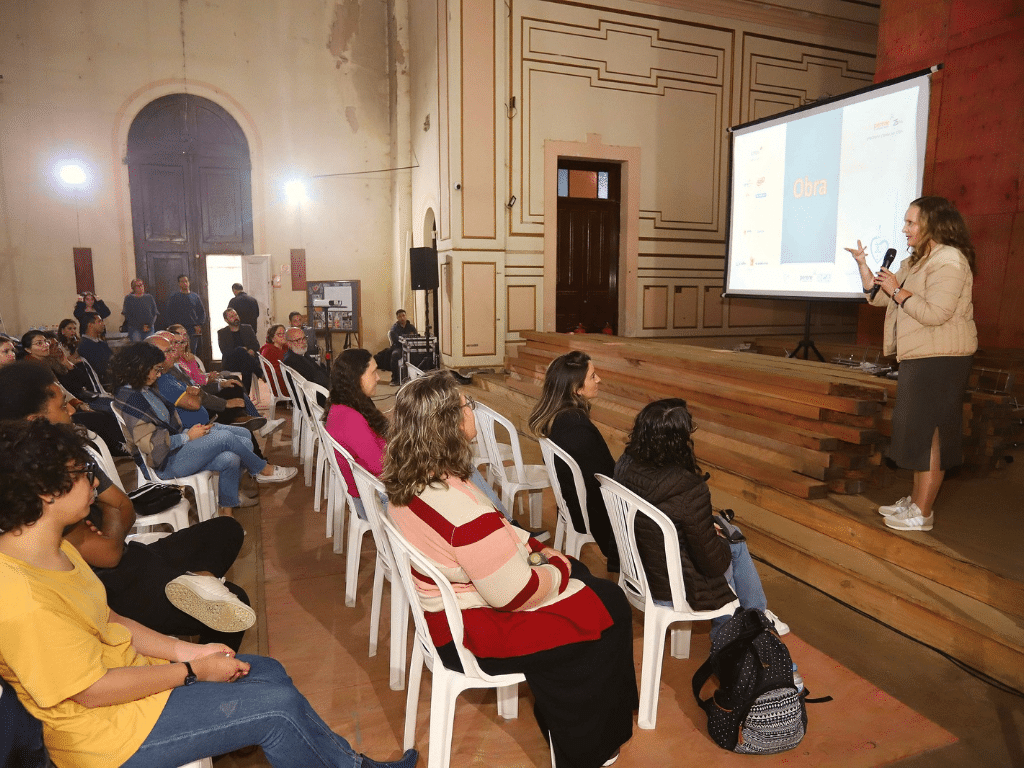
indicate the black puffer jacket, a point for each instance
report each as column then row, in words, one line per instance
column 686, row 499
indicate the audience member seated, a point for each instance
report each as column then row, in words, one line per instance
column 238, row 348
column 274, row 351
column 100, row 682
column 563, row 415
column 156, row 431
column 87, row 302
column 194, row 405
column 67, row 337
column 298, row 320
column 298, row 359
column 21, row 735
column 659, row 465
column 391, row 358
column 526, row 607
column 92, row 346
column 7, row 351
column 136, row 576
column 354, row 421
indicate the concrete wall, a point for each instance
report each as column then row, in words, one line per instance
column 312, row 83
column 975, row 140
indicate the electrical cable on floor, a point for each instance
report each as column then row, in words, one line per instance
column 976, row 673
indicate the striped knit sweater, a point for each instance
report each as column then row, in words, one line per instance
column 509, row 607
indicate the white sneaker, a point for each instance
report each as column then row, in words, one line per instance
column 910, row 519
column 892, row 509
column 279, row 475
column 207, row 599
column 781, row 627
column 271, row 427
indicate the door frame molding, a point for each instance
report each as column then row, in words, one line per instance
column 629, row 222
column 126, row 114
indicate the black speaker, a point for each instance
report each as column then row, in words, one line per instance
column 423, row 268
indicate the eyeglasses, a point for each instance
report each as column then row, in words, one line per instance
column 89, row 470
column 470, row 403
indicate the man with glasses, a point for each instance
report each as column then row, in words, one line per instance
column 297, row 358
column 137, row 576
column 140, row 312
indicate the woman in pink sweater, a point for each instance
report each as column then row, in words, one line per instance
column 526, row 607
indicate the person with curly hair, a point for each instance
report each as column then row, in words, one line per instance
column 660, row 466
column 67, row 336
column 109, row 691
column 526, row 607
column 929, row 326
column 563, row 416
column 156, row 431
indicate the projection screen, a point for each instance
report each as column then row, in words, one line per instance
column 808, row 182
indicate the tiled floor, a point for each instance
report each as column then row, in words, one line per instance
column 894, row 698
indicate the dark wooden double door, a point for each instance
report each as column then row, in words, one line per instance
column 191, row 195
column 587, row 284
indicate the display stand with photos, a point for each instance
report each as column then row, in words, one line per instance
column 333, row 307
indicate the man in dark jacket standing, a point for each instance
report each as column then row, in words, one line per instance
column 187, row 309
column 246, row 306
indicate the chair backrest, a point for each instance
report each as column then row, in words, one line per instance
column 291, row 379
column 141, row 459
column 624, row 507
column 486, row 418
column 408, row 557
column 270, row 374
column 327, row 441
column 553, row 453
column 103, row 456
column 370, row 491
column 94, row 377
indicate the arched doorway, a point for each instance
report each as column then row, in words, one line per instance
column 191, row 195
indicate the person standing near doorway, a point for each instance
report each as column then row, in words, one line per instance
column 140, row 312
column 246, row 306
column 187, row 308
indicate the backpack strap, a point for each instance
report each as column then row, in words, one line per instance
column 700, row 677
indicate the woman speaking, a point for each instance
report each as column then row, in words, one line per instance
column 929, row 326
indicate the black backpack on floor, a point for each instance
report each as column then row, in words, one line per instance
column 757, row 708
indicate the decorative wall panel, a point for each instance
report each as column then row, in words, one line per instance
column 655, row 307
column 684, row 307
column 521, row 301
column 479, row 309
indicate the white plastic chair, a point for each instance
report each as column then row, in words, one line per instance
column 338, row 497
column 176, row 516
column 201, row 483
column 271, row 376
column 312, row 454
column 623, row 508
column 290, row 377
column 564, row 529
column 206, row 762
column 532, row 478
column 370, row 490
column 447, row 684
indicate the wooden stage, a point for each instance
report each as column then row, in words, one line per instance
column 794, row 447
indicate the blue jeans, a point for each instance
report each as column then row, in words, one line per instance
column 225, row 449
column 742, row 577
column 264, row 707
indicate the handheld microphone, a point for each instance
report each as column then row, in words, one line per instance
column 887, row 261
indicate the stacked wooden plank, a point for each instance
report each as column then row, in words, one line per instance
column 796, row 426
column 993, row 408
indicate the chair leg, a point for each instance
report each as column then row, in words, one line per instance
column 508, row 702
column 560, row 534
column 378, row 591
column 535, row 509
column 412, row 696
column 399, row 636
column 444, row 693
column 338, row 533
column 355, row 540
column 650, row 671
column 680, row 640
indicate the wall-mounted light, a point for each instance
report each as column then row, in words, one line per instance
column 72, row 174
column 295, row 191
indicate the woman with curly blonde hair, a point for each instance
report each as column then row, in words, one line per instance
column 526, row 608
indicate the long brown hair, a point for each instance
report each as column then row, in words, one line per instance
column 346, row 388
column 563, row 381
column 941, row 223
column 426, row 443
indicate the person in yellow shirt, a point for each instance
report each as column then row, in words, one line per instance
column 109, row 691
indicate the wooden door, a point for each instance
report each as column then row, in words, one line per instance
column 191, row 195
column 587, row 284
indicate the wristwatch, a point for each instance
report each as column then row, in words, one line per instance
column 191, row 676
column 898, row 289
column 538, row 558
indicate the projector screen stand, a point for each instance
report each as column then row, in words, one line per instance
column 807, row 343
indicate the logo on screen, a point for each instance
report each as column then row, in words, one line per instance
column 806, row 188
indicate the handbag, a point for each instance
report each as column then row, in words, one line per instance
column 153, row 498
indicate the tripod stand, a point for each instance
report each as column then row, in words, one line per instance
column 806, row 343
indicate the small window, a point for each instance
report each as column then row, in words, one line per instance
column 563, row 182
column 602, row 185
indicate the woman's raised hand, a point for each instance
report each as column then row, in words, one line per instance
column 859, row 253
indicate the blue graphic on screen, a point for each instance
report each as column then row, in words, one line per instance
column 811, row 189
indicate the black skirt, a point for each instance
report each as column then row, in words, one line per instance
column 930, row 397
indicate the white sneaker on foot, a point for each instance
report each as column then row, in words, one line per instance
column 271, row 427
column 207, row 599
column 892, row 509
column 910, row 519
column 279, row 475
column 781, row 627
